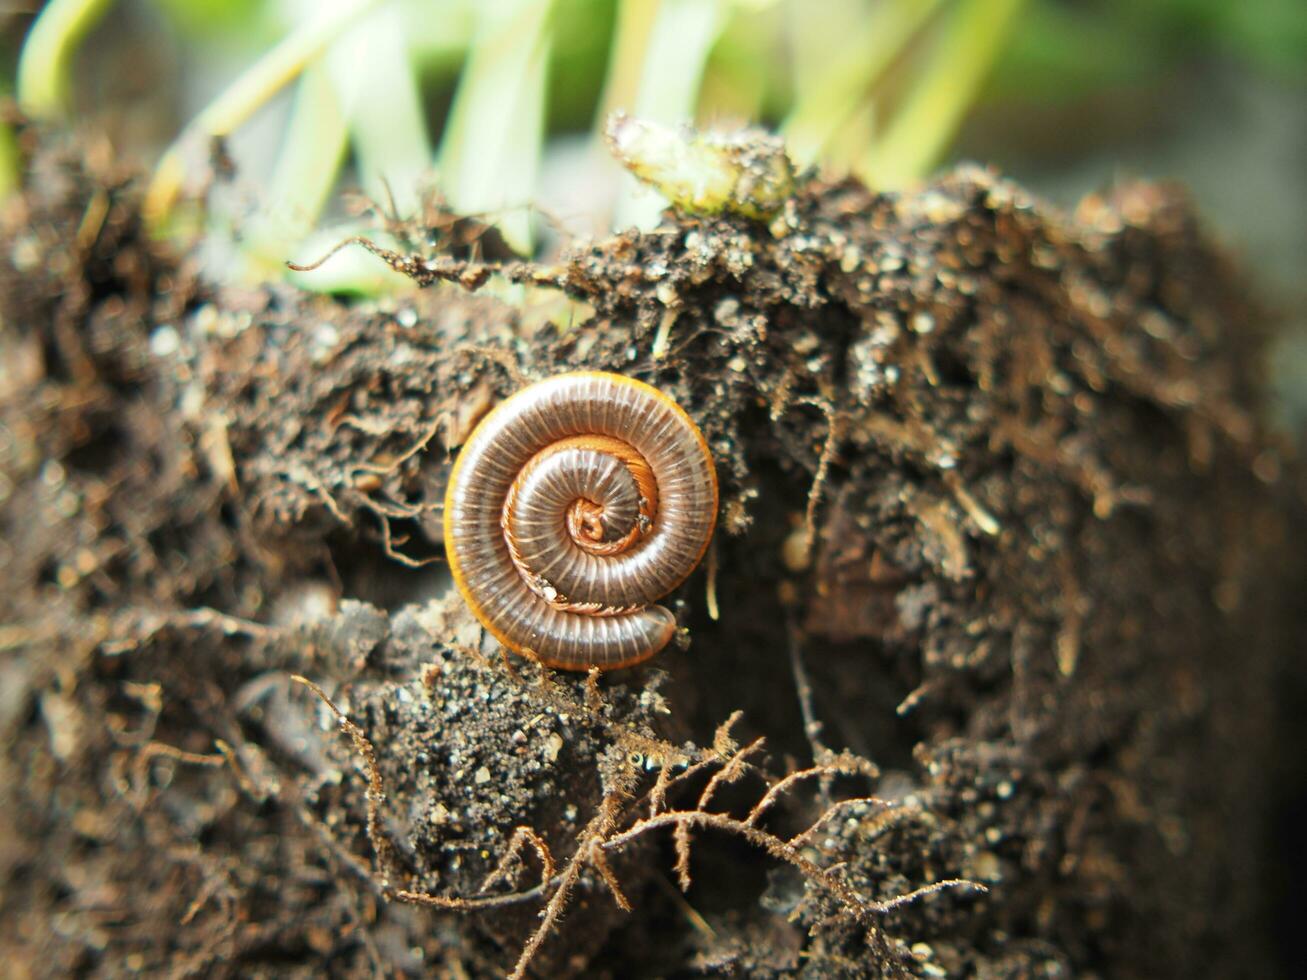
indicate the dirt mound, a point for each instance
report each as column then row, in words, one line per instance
column 1000, row 578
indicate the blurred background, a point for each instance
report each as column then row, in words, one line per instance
column 498, row 107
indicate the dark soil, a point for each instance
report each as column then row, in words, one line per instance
column 1005, row 553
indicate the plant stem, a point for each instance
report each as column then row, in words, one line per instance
column 850, row 73
column 376, row 82
column 490, row 154
column 306, row 170
column 46, row 59
column 245, row 96
column 919, row 134
column 9, row 176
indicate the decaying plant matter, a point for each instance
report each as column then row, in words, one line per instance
column 999, row 588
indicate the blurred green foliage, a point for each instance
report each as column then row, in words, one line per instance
column 207, row 21
column 876, row 86
column 582, row 32
column 1066, row 50
column 1059, row 49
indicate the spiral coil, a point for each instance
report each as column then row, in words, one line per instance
column 573, row 506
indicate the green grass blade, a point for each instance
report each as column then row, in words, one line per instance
column 375, row 80
column 45, row 64
column 635, row 22
column 305, row 175
column 918, row 136
column 260, row 82
column 847, row 76
column 9, row 162
column 490, row 154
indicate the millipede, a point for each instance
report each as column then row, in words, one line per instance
column 573, row 506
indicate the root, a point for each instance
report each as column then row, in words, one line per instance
column 471, row 276
column 615, row 825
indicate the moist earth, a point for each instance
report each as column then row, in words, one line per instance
column 978, row 679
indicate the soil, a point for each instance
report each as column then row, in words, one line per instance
column 1005, row 582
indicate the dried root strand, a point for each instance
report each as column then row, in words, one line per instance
column 381, row 844
column 521, row 837
column 384, row 849
column 592, row 838
column 612, row 827
column 557, row 698
column 159, row 750
column 599, row 861
column 424, row 272
column 829, row 450
column 843, row 764
column 735, row 767
column 787, row 852
column 724, row 746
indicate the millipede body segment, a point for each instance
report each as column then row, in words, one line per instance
column 574, row 505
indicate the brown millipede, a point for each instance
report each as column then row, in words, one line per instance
column 572, row 507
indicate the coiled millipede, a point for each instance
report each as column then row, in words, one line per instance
column 572, row 507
